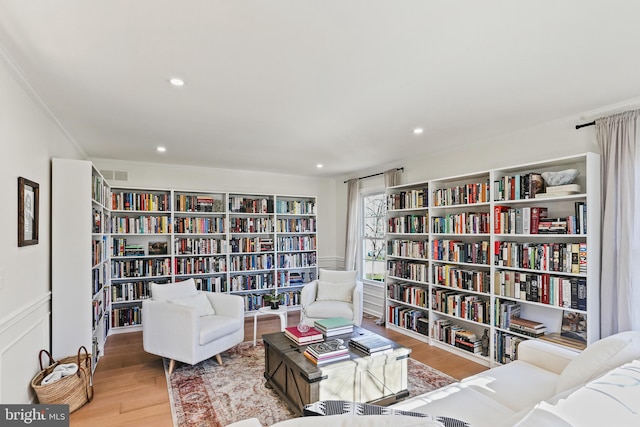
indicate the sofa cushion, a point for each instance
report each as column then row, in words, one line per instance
column 599, row 358
column 329, row 291
column 214, row 327
column 328, row 309
column 516, row 385
column 198, row 301
column 336, row 276
column 173, row 290
column 458, row 402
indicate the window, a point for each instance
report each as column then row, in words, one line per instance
column 372, row 248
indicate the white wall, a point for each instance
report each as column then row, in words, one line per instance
column 28, row 139
column 226, row 180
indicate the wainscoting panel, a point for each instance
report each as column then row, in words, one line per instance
column 373, row 298
column 23, row 334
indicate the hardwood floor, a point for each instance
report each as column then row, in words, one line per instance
column 130, row 388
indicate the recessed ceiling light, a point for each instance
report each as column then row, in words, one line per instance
column 176, row 81
column 161, row 149
column 319, row 165
column 418, row 131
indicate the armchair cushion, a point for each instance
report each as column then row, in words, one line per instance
column 198, row 301
column 215, row 327
column 337, row 276
column 328, row 309
column 173, row 290
column 329, row 291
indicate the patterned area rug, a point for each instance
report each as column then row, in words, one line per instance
column 210, row 395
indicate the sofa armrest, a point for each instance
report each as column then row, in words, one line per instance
column 169, row 330
column 550, row 357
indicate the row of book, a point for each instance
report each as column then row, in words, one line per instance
column 567, row 292
column 454, row 277
column 140, row 225
column 445, row 331
column 518, row 186
column 296, row 225
column 200, row 265
column 250, row 205
column 409, row 199
column 557, row 256
column 211, row 225
column 408, row 224
column 129, row 201
column 535, row 220
column 411, row 294
column 471, row 193
column 199, row 246
column 408, row 318
column 251, row 281
column 408, row 248
column 462, row 305
column 130, row 291
column 296, row 207
column 126, row 316
column 458, row 251
column 140, row 267
column 462, row 223
column 297, row 243
column 251, row 225
column 296, row 260
column 416, row 271
column 251, row 262
column 198, row 203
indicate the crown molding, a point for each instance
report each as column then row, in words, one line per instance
column 22, row 80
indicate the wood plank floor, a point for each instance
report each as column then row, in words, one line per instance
column 130, row 388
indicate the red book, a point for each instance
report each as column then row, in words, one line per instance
column 312, row 335
column 497, row 225
column 536, row 214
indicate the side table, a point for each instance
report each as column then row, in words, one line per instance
column 282, row 312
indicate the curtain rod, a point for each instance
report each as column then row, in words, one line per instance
column 584, row 125
column 375, row 174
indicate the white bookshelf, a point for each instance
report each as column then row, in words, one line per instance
column 80, row 301
column 464, row 270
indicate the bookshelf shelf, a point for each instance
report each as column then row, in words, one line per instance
column 492, row 200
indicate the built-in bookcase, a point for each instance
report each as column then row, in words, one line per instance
column 495, row 248
column 80, row 272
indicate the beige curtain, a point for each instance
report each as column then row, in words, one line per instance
column 619, row 139
column 352, row 235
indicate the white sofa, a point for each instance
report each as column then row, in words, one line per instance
column 547, row 386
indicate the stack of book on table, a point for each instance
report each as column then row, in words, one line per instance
column 371, row 344
column 334, row 326
column 527, row 327
column 326, row 352
column 303, row 338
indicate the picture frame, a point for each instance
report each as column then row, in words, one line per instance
column 28, row 212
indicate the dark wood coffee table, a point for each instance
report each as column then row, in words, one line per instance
column 379, row 379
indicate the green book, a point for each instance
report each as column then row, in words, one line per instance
column 333, row 322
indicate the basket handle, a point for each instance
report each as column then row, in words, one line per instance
column 51, row 360
column 87, row 359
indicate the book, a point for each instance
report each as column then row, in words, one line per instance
column 370, row 343
column 326, row 360
column 536, row 214
column 310, row 336
column 498, row 221
column 333, row 323
column 327, row 349
column 565, row 189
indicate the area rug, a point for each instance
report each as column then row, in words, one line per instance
column 210, row 395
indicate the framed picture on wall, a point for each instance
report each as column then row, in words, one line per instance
column 28, row 202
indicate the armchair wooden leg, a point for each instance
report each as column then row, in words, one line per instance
column 172, row 365
column 219, row 359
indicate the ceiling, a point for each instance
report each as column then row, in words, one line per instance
column 279, row 86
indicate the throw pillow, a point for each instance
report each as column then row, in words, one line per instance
column 200, row 302
column 599, row 358
column 338, row 276
column 328, row 291
column 164, row 292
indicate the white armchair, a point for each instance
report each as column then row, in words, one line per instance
column 185, row 325
column 333, row 294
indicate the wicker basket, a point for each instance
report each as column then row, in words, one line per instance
column 73, row 390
